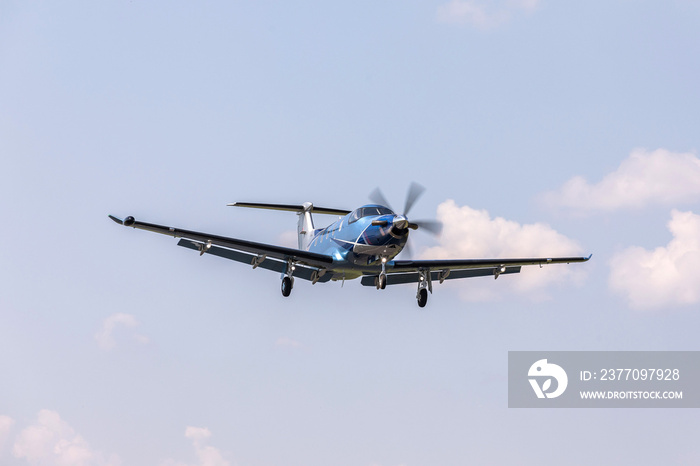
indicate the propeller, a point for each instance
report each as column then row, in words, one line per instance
column 415, row 191
column 377, row 197
column 433, row 226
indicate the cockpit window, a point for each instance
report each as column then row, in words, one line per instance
column 368, row 212
column 375, row 211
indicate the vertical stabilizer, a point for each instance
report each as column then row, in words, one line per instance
column 305, row 226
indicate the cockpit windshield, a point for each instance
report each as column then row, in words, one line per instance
column 369, row 212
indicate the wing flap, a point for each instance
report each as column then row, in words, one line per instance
column 274, row 265
column 414, row 277
column 458, row 264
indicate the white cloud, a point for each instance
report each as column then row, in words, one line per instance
column 6, row 423
column 665, row 276
column 482, row 14
column 52, row 442
column 658, row 177
column 206, row 455
column 104, row 336
column 472, row 234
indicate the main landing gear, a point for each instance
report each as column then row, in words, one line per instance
column 422, row 297
column 424, row 285
column 288, row 278
column 287, row 284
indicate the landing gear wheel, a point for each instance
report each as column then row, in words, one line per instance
column 381, row 284
column 286, row 286
column 422, row 297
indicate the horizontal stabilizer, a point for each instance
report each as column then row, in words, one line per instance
column 291, row 208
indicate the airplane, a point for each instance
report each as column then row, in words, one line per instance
column 362, row 243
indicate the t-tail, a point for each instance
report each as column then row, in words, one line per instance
column 305, row 226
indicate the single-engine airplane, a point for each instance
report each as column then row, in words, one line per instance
column 362, row 243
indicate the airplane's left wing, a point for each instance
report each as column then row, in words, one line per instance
column 409, row 271
column 234, row 248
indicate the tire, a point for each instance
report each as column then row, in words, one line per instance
column 382, row 282
column 422, row 297
column 286, row 286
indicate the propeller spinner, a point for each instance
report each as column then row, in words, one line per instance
column 415, row 191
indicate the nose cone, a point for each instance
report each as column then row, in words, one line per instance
column 399, row 227
column 400, row 222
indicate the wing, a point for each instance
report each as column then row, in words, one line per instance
column 266, row 256
column 410, row 271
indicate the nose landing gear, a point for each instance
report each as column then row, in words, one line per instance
column 380, row 281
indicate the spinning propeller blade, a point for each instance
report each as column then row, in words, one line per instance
column 414, row 192
column 377, row 197
column 433, row 226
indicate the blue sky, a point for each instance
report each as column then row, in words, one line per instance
column 537, row 126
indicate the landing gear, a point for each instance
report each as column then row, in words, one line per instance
column 380, row 281
column 424, row 285
column 287, row 284
column 288, row 278
column 422, row 297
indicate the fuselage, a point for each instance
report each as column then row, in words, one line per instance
column 360, row 240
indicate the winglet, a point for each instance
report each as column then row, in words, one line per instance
column 589, row 256
column 117, row 220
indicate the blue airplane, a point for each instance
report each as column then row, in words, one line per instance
column 361, row 244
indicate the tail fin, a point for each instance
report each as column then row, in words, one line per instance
column 305, row 226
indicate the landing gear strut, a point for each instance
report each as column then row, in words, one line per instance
column 380, row 281
column 424, row 285
column 288, row 278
